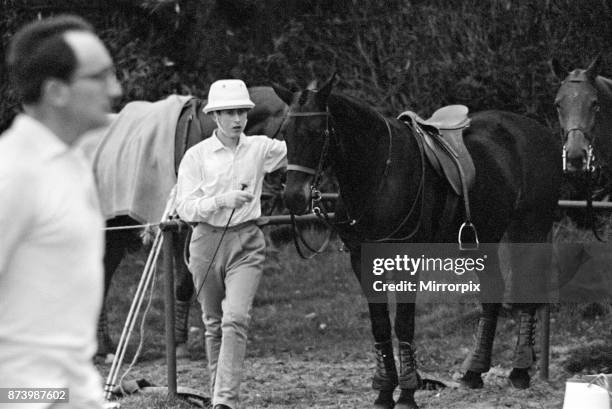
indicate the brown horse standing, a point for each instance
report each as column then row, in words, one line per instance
column 584, row 107
column 383, row 176
column 193, row 126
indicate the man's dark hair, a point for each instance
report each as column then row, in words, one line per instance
column 38, row 51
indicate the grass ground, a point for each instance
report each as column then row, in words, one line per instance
column 310, row 343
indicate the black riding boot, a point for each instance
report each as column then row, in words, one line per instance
column 524, row 352
column 181, row 321
column 479, row 360
column 385, row 377
column 409, row 379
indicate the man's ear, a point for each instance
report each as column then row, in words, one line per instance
column 55, row 92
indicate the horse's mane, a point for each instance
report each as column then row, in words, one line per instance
column 356, row 119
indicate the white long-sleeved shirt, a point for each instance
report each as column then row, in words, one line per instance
column 210, row 169
column 51, row 270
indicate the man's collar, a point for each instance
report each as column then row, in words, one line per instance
column 217, row 144
column 41, row 138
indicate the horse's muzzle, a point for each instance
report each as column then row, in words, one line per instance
column 297, row 192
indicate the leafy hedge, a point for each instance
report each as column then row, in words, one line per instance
column 394, row 54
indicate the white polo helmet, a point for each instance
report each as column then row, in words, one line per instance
column 228, row 94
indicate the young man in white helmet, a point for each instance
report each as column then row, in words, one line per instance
column 219, row 187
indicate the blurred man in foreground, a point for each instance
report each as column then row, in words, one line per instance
column 52, row 240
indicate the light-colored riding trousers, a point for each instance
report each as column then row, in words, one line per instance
column 226, row 298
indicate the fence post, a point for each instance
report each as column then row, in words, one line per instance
column 545, row 341
column 168, row 268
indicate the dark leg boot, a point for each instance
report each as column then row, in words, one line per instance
column 524, row 353
column 385, row 377
column 409, row 379
column 181, row 320
column 479, row 360
column 106, row 349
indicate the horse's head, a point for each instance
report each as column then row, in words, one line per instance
column 307, row 132
column 577, row 105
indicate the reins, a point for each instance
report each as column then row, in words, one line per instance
column 354, row 221
column 317, row 173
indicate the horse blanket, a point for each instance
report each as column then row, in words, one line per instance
column 134, row 161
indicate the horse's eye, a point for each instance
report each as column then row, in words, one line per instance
column 557, row 105
column 596, row 106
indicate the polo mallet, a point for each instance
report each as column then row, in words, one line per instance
column 212, row 260
column 130, row 321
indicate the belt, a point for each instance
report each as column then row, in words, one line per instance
column 238, row 226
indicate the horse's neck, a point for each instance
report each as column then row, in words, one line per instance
column 359, row 128
column 360, row 148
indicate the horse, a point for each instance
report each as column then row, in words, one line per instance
column 192, row 127
column 387, row 185
column 584, row 108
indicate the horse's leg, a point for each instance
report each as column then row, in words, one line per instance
column 409, row 379
column 385, row 377
column 114, row 252
column 524, row 352
column 530, row 272
column 479, row 360
column 184, row 291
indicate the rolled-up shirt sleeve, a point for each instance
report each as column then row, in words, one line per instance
column 276, row 155
column 192, row 205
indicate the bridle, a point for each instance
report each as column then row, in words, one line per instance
column 316, row 204
column 590, row 155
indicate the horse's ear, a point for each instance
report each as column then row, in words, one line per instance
column 326, row 89
column 557, row 69
column 593, row 69
column 283, row 93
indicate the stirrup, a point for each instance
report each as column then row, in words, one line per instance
column 465, row 246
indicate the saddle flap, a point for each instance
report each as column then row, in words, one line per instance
column 444, row 147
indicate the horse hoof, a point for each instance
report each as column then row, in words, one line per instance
column 471, row 380
column 384, row 405
column 519, row 378
column 406, row 400
column 384, row 400
column 406, row 405
column 378, row 404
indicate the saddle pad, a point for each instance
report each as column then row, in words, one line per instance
column 134, row 163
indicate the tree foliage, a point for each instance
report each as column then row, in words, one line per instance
column 396, row 55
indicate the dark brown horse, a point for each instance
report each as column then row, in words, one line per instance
column 383, row 176
column 584, row 108
column 192, row 127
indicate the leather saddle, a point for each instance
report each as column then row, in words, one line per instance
column 443, row 144
column 444, row 147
